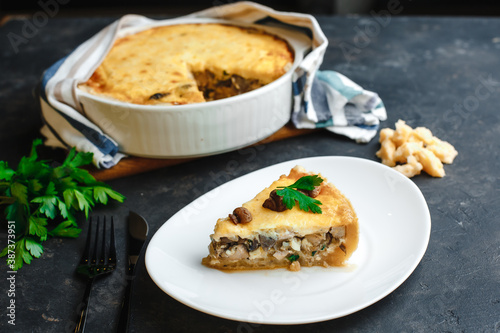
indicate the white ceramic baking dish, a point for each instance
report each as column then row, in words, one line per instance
column 191, row 130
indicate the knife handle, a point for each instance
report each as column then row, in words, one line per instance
column 123, row 322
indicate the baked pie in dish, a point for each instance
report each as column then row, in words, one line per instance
column 189, row 63
column 267, row 232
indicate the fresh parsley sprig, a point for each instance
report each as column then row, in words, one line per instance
column 291, row 194
column 42, row 200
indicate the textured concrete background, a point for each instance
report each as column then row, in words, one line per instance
column 441, row 73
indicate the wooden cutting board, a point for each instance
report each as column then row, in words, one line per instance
column 134, row 165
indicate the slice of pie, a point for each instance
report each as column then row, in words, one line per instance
column 264, row 234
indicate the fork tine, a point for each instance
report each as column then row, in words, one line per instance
column 95, row 263
column 112, row 248
column 96, row 242
column 86, row 253
column 103, row 256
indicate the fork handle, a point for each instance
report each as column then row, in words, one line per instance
column 82, row 318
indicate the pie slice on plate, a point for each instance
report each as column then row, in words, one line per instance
column 300, row 220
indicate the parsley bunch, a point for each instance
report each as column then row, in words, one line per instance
column 37, row 196
column 291, row 194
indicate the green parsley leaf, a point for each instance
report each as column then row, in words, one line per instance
column 34, row 155
column 291, row 195
column 28, row 168
column 100, row 194
column 75, row 160
column 82, row 176
column 37, row 194
column 65, row 213
column 21, row 255
column 48, row 205
column 51, row 189
column 115, row 195
column 22, row 251
column 293, row 257
column 20, row 192
column 65, row 229
column 6, row 173
column 69, row 157
column 67, row 182
column 307, row 183
column 14, row 212
column 34, row 186
column 83, row 203
column 37, row 227
column 70, row 199
column 48, row 201
column 35, row 248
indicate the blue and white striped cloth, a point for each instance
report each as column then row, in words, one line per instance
column 321, row 98
column 339, row 105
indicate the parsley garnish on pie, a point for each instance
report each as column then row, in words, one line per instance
column 291, row 194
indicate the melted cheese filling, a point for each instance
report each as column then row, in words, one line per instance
column 285, row 245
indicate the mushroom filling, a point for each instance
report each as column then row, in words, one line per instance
column 226, row 85
column 287, row 247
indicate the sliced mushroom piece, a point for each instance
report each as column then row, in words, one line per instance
column 212, row 248
column 337, row 232
column 312, row 193
column 243, row 214
column 223, row 83
column 266, row 242
column 158, row 95
column 240, row 215
column 274, row 202
column 329, row 238
column 219, row 248
column 225, row 240
column 240, row 83
column 252, row 244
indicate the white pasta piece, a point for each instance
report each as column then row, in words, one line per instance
column 443, row 150
column 402, row 133
column 431, row 164
column 405, row 150
column 422, row 134
column 410, row 151
column 410, row 169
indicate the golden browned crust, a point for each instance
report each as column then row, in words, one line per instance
column 337, row 210
column 336, row 231
column 189, row 63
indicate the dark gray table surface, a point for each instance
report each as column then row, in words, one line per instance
column 441, row 73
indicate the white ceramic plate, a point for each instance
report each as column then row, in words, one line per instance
column 394, row 224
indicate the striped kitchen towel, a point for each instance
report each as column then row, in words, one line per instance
column 338, row 104
column 321, row 98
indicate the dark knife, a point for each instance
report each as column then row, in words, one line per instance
column 137, row 234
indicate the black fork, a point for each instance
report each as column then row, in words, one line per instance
column 98, row 258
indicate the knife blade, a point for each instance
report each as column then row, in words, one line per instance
column 137, row 235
